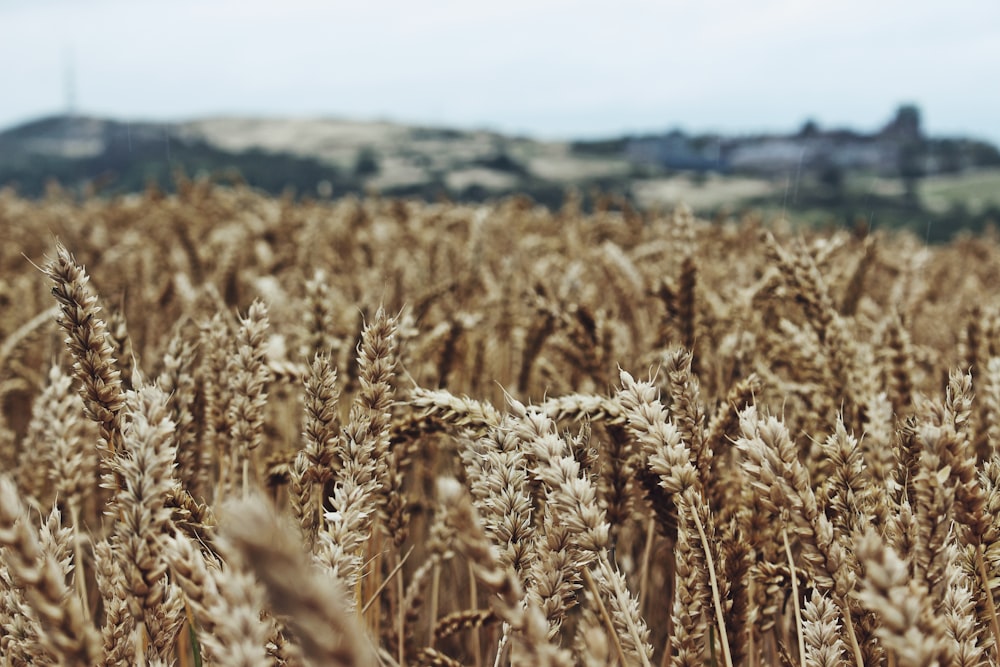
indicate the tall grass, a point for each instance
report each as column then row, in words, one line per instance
column 239, row 430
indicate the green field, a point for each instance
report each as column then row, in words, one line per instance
column 976, row 191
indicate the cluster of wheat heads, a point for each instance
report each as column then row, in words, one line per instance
column 256, row 431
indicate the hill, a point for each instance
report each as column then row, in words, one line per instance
column 894, row 175
column 311, row 156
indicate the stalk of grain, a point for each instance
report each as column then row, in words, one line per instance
column 507, row 599
column 910, row 628
column 19, row 641
column 363, row 450
column 573, row 496
column 821, row 630
column 216, row 451
column 118, row 629
column 178, row 382
column 225, row 600
column 88, row 341
column 64, row 629
column 670, row 458
column 495, row 466
column 248, row 377
column 457, row 411
column 314, row 603
column 782, row 483
column 145, row 467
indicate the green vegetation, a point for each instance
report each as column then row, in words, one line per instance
column 119, row 170
column 976, row 190
column 896, row 177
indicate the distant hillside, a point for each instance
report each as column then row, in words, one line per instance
column 118, row 157
column 309, row 156
column 894, row 175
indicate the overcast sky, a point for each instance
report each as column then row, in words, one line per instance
column 548, row 68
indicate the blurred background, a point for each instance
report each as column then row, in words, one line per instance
column 841, row 113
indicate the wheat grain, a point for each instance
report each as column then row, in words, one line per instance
column 642, row 525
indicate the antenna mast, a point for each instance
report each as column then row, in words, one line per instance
column 69, row 80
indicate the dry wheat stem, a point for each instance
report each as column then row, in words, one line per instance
column 605, row 616
column 385, row 582
column 990, row 604
column 714, row 583
column 793, row 575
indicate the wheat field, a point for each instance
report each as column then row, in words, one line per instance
column 240, row 430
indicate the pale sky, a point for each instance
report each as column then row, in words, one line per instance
column 547, row 68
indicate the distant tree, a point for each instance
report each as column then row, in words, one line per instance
column 366, row 163
column 983, row 154
column 911, row 157
column 911, row 165
column 906, row 124
column 502, row 161
column 809, row 129
column 698, row 178
column 949, row 155
column 600, row 147
column 831, row 176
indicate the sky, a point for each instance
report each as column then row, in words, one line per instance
column 544, row 68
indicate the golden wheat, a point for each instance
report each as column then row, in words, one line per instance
column 253, row 431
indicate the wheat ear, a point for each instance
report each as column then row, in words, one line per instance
column 65, row 631
column 315, row 604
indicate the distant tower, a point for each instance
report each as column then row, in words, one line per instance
column 906, row 124
column 69, row 80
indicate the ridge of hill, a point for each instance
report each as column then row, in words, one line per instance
column 896, row 172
